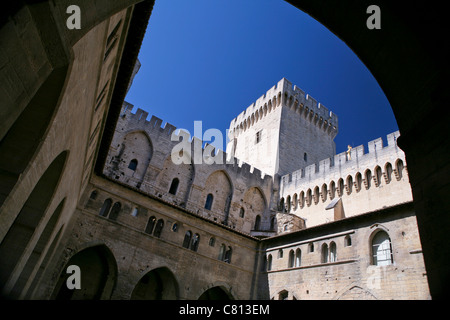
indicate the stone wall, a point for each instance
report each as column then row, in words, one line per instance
column 363, row 181
column 234, row 186
column 56, row 95
column 137, row 251
column 351, row 274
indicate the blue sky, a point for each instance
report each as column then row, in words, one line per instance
column 209, row 60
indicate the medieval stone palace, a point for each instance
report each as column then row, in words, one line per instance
column 88, row 180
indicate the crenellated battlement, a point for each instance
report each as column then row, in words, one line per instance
column 175, row 166
column 169, row 163
column 345, row 163
column 140, row 118
column 201, row 153
column 357, row 180
column 284, row 94
column 209, row 154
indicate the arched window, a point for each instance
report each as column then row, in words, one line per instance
column 209, row 201
column 349, row 184
column 399, row 168
column 150, row 225
column 358, row 179
column 332, row 190
column 311, row 247
column 298, row 258
column 187, row 239
column 388, row 170
column 241, row 212
column 158, row 228
column 333, row 254
column 222, row 252
column 294, row 202
column 381, row 249
column 133, row 164
column 288, row 204
column 93, row 195
column 115, row 211
column 195, row 242
column 257, row 222
column 291, row 259
column 324, row 192
column 280, row 253
column 301, row 201
column 174, row 186
column 134, row 212
column 341, row 187
column 378, row 175
column 212, row 241
column 347, row 241
column 316, row 195
column 368, row 178
column 269, row 262
column 305, row 157
column 272, row 223
column 105, row 208
column 324, row 254
column 308, row 197
column 228, row 254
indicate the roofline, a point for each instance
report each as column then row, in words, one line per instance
column 386, row 210
column 136, row 32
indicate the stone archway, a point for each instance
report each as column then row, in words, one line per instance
column 219, row 185
column 356, row 293
column 410, row 62
column 216, row 293
column 98, row 275
column 158, row 284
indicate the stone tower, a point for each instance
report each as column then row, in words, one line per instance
column 281, row 132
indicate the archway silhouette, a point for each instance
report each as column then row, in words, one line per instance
column 158, row 284
column 216, row 293
column 408, row 60
column 21, row 231
column 37, row 251
column 98, row 275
